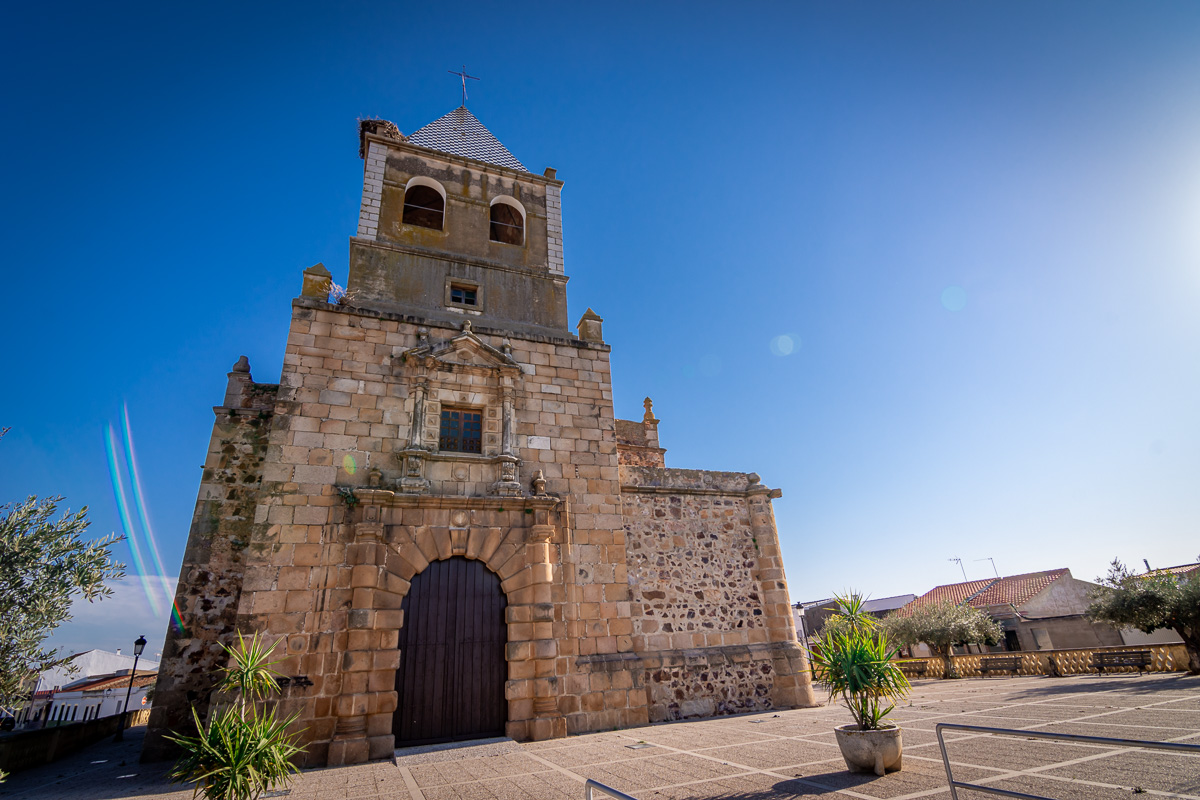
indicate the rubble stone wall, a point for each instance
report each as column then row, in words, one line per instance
column 711, row 617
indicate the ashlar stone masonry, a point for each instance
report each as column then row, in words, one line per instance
column 440, row 465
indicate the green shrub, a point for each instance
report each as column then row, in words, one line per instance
column 244, row 749
column 855, row 660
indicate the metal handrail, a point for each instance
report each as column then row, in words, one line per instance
column 1173, row 747
column 590, row 784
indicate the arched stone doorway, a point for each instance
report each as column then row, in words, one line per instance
column 450, row 682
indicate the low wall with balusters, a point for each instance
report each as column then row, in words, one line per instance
column 1163, row 658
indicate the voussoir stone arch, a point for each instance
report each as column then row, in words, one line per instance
column 518, row 564
column 412, row 548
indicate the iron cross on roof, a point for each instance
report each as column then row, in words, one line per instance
column 464, row 76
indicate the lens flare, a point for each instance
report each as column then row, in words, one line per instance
column 349, row 464
column 135, row 483
column 954, row 298
column 784, row 344
column 114, row 469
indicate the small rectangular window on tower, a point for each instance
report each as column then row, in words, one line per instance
column 463, row 295
column 461, row 431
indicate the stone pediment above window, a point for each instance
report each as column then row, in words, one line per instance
column 466, row 352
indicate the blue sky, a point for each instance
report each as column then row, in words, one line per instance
column 978, row 224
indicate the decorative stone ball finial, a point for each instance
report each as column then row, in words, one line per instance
column 242, row 365
column 506, row 347
column 649, row 406
column 539, row 483
column 466, row 326
column 422, row 334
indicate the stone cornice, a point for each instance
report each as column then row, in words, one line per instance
column 414, row 319
column 482, row 166
column 630, row 488
column 457, row 258
column 386, row 497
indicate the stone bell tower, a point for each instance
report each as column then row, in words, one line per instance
column 453, row 226
column 435, row 515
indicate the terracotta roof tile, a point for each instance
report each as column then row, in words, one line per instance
column 1013, row 589
column 1182, row 569
column 1017, row 590
column 143, row 678
column 956, row 593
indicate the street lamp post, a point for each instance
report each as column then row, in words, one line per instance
column 138, row 646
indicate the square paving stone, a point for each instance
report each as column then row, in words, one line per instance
column 1156, row 718
column 595, row 753
column 916, row 776
column 768, row 755
column 1113, row 731
column 1006, row 753
column 697, row 739
column 1047, row 787
column 1166, row 772
column 654, row 772
column 738, row 786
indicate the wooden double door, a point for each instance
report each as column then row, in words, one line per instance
column 452, row 667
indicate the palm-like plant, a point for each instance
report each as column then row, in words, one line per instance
column 244, row 750
column 855, row 660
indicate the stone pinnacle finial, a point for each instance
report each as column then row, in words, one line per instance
column 590, row 327
column 242, row 365
column 316, row 282
column 466, row 326
column 649, row 406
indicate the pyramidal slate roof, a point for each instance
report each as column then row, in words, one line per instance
column 460, row 133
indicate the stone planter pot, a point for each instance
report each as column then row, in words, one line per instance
column 870, row 751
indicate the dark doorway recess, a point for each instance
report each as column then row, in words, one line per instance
column 452, row 668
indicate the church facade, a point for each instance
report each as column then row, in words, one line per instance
column 436, row 514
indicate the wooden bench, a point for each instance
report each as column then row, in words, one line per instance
column 914, row 669
column 1000, row 664
column 1126, row 658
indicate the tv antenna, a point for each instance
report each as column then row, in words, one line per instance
column 960, row 566
column 993, row 565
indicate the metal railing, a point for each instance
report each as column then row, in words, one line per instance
column 1172, row 747
column 590, row 784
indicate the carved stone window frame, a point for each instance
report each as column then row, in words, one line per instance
column 434, row 369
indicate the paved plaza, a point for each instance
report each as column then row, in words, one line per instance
column 769, row 755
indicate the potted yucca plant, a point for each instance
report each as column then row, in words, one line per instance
column 244, row 749
column 854, row 659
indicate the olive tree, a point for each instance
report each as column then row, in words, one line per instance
column 45, row 565
column 1150, row 602
column 943, row 626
